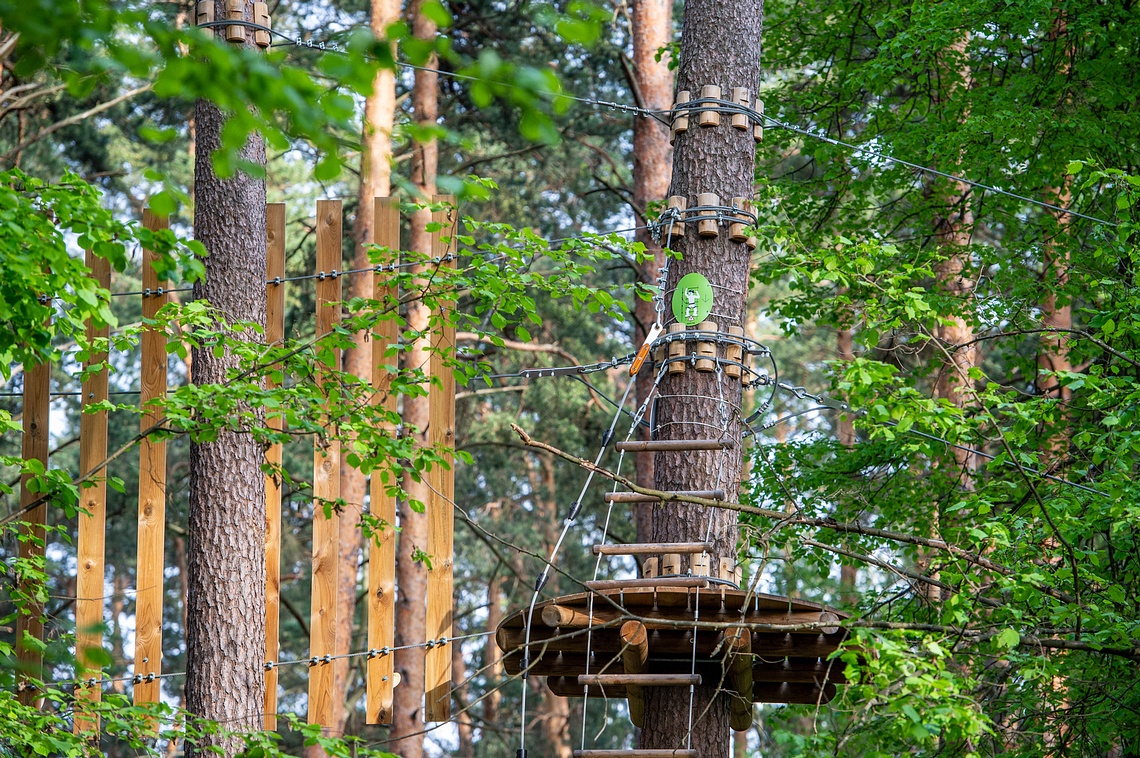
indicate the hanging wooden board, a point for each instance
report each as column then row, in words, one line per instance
column 91, row 540
column 326, row 481
column 152, row 485
column 380, row 672
column 274, row 334
column 440, row 505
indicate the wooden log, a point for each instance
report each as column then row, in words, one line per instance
column 706, row 351
column 637, row 497
column 700, row 564
column 566, row 616
column 708, row 227
column 736, row 228
column 639, row 680
column 235, row 11
column 205, row 13
column 675, row 229
column 440, row 506
column 651, row 568
column 274, row 335
column 758, row 129
column 740, row 679
column 380, row 671
column 680, row 117
column 326, row 479
column 261, row 17
column 740, row 97
column 34, row 446
column 734, row 355
column 652, row 548
column 634, row 659
column 92, row 536
column 671, row 564
column 677, row 349
column 149, row 574
column 709, row 117
column 672, row 446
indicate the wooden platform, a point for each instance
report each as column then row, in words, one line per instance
column 787, row 666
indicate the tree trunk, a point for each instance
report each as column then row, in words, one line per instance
column 651, row 28
column 411, row 577
column 375, row 181
column 720, row 45
column 225, row 627
column 492, row 658
column 845, row 432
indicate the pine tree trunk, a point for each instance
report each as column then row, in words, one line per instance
column 652, row 27
column 375, row 181
column 720, row 45
column 411, row 577
column 225, row 628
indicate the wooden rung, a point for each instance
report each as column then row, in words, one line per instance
column 653, row 548
column 637, row 497
column 639, row 680
column 661, row 581
column 669, row 446
column 634, row 752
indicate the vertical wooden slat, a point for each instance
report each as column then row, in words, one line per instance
column 440, row 510
column 274, row 334
column 37, row 397
column 92, row 521
column 326, row 481
column 382, row 548
column 152, row 486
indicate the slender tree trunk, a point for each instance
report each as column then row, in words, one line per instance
column 411, row 577
column 492, row 659
column 651, row 28
column 720, row 45
column 225, row 629
column 463, row 722
column 375, row 181
column 845, row 431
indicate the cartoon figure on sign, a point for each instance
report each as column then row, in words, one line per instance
column 692, row 297
column 692, row 300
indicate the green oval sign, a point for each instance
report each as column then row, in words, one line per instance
column 693, row 299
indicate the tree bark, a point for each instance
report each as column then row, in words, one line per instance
column 375, row 181
column 225, row 627
column 411, row 577
column 651, row 28
column 845, row 432
column 720, row 45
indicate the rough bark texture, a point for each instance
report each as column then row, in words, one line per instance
column 375, row 181
column 411, row 577
column 720, row 45
column 225, row 618
column 651, row 27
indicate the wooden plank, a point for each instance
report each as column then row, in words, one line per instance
column 440, row 505
column 91, row 541
column 635, row 659
column 274, row 334
column 650, row 548
column 29, row 660
column 152, row 486
column 380, row 672
column 637, row 497
column 639, row 680
column 326, row 481
column 667, row 643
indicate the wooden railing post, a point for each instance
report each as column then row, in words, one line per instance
column 92, row 522
column 326, row 480
column 380, row 677
column 149, row 573
column 441, row 481
column 274, row 334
